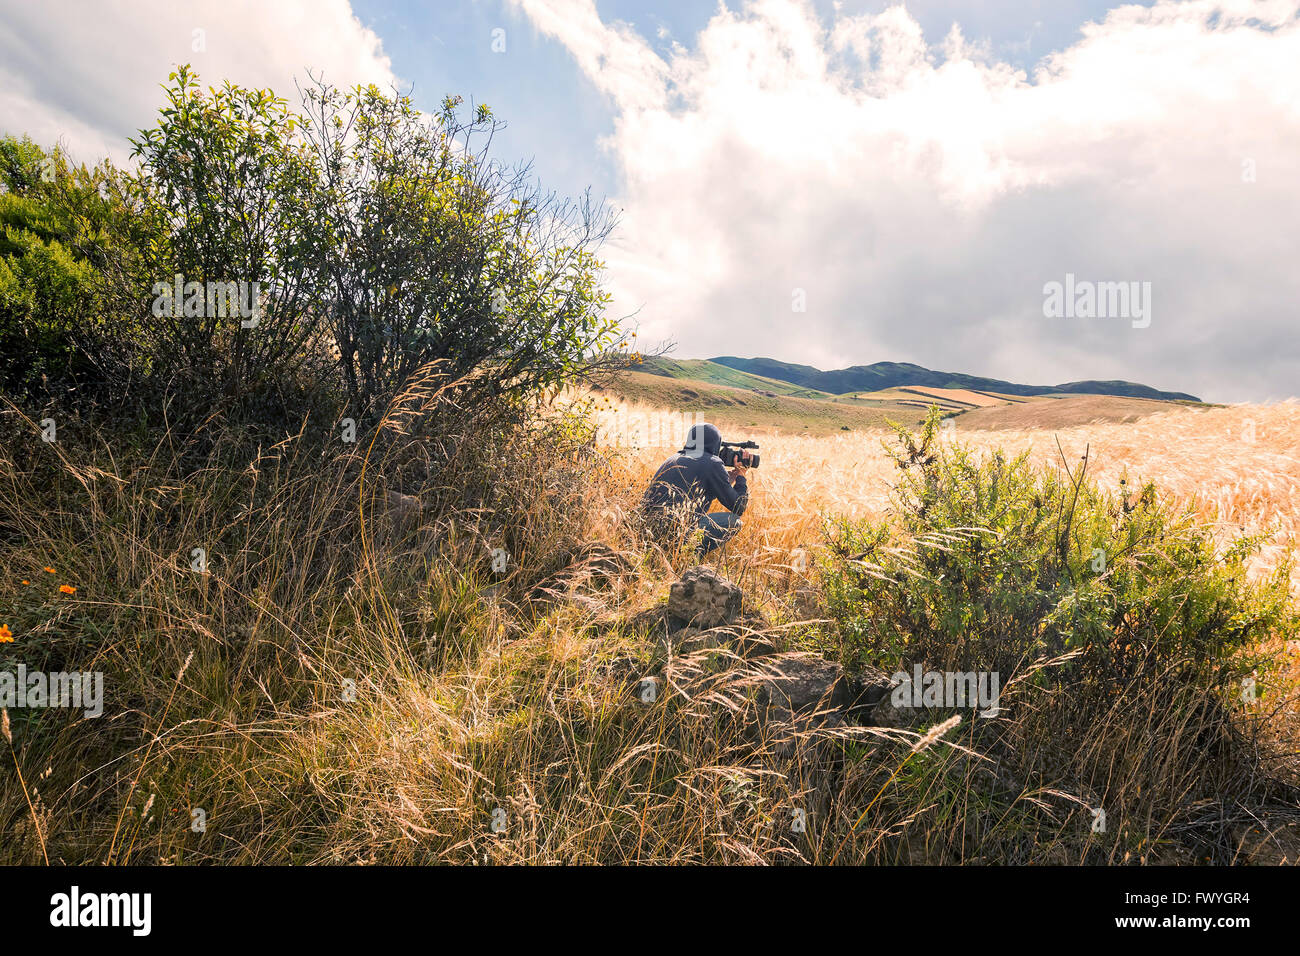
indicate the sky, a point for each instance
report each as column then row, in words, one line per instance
column 829, row 183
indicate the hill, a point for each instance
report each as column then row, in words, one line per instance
column 703, row 370
column 883, row 375
column 756, row 405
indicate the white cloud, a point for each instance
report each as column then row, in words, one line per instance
column 88, row 74
column 923, row 196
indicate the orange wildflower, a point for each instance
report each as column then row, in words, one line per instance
column 67, row 589
column 6, row 635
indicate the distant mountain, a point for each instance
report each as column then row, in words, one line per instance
column 871, row 378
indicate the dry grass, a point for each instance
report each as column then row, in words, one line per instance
column 464, row 698
column 1238, row 467
column 1067, row 411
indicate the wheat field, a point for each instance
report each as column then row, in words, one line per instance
column 1238, row 467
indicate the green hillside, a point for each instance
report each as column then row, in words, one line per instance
column 737, row 399
column 736, row 409
column 703, row 370
column 883, row 375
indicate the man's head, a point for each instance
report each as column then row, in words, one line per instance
column 703, row 439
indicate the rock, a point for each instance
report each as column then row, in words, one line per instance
column 742, row 638
column 887, row 715
column 691, row 640
column 798, row 683
column 870, row 690
column 724, row 661
column 703, row 598
column 752, row 642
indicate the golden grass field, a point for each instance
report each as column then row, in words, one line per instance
column 1238, row 467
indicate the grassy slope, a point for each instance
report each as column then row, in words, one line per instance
column 1065, row 412
column 818, row 413
column 726, row 405
column 702, row 370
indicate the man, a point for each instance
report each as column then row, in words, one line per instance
column 690, row 481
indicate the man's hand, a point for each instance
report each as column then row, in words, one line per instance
column 742, row 464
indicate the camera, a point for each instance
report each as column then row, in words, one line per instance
column 730, row 453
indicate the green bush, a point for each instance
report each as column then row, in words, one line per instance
column 993, row 564
column 325, row 258
column 380, row 241
column 1120, row 633
column 60, row 226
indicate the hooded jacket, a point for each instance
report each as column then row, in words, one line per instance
column 697, row 475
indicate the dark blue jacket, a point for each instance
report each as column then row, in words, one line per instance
column 696, row 474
